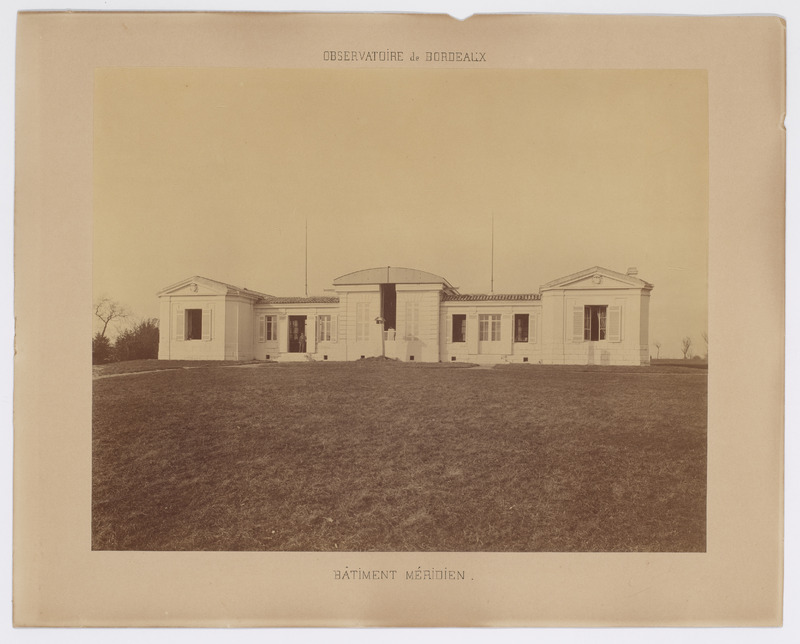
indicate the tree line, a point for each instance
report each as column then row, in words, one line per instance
column 139, row 341
column 686, row 347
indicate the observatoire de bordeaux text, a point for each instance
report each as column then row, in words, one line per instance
column 391, row 56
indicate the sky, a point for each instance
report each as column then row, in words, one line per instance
column 217, row 172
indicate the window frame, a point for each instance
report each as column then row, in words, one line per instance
column 324, row 328
column 459, row 327
column 489, row 327
column 595, row 315
column 270, row 328
column 412, row 320
column 362, row 322
column 525, row 327
column 192, row 318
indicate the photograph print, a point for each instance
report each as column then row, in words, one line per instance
column 400, row 310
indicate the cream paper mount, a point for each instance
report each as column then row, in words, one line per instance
column 154, row 147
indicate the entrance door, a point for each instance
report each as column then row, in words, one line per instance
column 297, row 334
column 389, row 306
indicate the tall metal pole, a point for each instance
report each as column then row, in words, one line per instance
column 306, row 256
column 491, row 287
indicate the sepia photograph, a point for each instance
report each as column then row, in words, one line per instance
column 400, row 310
column 347, row 320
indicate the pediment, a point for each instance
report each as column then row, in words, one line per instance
column 597, row 278
column 199, row 286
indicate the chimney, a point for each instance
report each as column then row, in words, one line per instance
column 633, row 271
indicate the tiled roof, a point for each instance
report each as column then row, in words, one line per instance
column 314, row 299
column 233, row 289
column 246, row 291
column 493, row 297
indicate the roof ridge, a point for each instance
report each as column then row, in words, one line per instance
column 195, row 278
column 597, row 269
column 489, row 297
column 301, row 299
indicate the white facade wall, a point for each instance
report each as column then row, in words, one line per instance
column 330, row 349
column 164, row 329
column 266, row 347
column 358, row 308
column 506, row 349
column 234, row 323
column 238, row 329
column 417, row 337
column 564, row 338
column 644, row 328
column 211, row 344
column 532, row 349
column 276, row 347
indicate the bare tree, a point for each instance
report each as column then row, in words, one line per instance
column 705, row 339
column 657, row 345
column 686, row 345
column 108, row 310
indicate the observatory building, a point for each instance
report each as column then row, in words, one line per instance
column 595, row 316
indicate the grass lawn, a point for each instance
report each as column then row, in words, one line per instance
column 386, row 456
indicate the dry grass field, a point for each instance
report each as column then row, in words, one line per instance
column 386, row 456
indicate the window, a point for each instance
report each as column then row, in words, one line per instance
column 267, row 328
column 324, row 326
column 594, row 323
column 489, row 327
column 521, row 327
column 459, row 328
column 271, row 328
column 194, row 324
column 412, row 320
column 362, row 321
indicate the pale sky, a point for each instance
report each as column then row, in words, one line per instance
column 215, row 172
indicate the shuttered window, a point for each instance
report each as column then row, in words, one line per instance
column 193, row 324
column 362, row 321
column 179, row 332
column 533, row 328
column 324, row 328
column 597, row 323
column 412, row 320
column 206, row 325
column 614, row 324
column 578, row 329
column 266, row 328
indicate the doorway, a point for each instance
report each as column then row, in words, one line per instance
column 297, row 334
column 389, row 306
